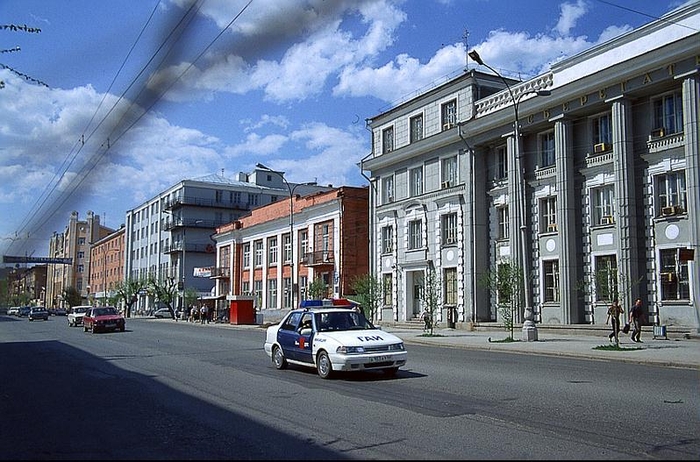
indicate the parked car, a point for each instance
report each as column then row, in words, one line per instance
column 57, row 311
column 38, row 312
column 24, row 311
column 333, row 338
column 13, row 311
column 102, row 319
column 75, row 317
column 162, row 313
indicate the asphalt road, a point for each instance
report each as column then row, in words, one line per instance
column 166, row 390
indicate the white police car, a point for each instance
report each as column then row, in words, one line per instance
column 333, row 337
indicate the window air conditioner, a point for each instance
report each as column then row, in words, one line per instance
column 447, row 126
column 601, row 147
column 446, row 184
column 657, row 133
column 450, row 240
column 669, row 211
column 552, row 228
column 667, row 277
column 607, row 220
column 325, row 257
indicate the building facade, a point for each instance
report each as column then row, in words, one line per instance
column 170, row 235
column 585, row 178
column 73, row 243
column 106, row 267
column 329, row 244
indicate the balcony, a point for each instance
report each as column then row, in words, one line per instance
column 322, row 257
column 179, row 201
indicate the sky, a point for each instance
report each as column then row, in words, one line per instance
column 107, row 103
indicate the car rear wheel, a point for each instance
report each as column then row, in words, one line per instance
column 323, row 365
column 278, row 358
column 391, row 372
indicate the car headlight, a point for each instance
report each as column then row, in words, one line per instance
column 396, row 347
column 349, row 350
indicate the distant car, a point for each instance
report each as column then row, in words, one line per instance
column 24, row 311
column 38, row 312
column 13, row 311
column 163, row 313
column 333, row 338
column 102, row 319
column 58, row 312
column 75, row 317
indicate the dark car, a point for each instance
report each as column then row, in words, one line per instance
column 102, row 319
column 38, row 312
column 24, row 311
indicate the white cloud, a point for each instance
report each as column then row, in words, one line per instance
column 570, row 14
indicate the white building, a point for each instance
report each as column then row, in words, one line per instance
column 599, row 198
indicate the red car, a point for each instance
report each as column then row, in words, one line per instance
column 103, row 318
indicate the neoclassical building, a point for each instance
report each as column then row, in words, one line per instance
column 586, row 177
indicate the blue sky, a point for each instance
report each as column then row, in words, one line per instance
column 114, row 101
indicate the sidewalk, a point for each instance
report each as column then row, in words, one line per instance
column 672, row 352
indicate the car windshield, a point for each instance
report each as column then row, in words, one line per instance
column 105, row 311
column 342, row 320
column 79, row 310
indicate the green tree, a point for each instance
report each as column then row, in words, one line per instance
column 127, row 291
column 368, row 293
column 431, row 298
column 164, row 291
column 191, row 296
column 505, row 282
column 317, row 289
column 72, row 297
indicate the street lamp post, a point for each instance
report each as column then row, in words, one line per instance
column 291, row 189
column 529, row 326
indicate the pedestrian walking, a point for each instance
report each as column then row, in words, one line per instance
column 192, row 314
column 614, row 312
column 635, row 319
column 203, row 314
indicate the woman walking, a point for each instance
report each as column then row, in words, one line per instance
column 614, row 312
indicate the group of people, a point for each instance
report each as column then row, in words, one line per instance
column 200, row 314
column 634, row 321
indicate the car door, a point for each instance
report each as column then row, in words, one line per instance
column 304, row 337
column 288, row 337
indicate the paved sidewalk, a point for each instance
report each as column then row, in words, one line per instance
column 672, row 352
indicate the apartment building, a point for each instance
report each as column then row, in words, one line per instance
column 73, row 243
column 273, row 259
column 170, row 235
column 106, row 268
column 585, row 177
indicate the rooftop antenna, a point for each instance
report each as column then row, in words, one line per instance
column 466, row 49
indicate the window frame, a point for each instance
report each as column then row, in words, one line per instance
column 548, row 214
column 416, row 128
column 551, row 291
column 547, row 149
column 387, row 140
column 448, row 114
column 448, row 228
column 415, row 234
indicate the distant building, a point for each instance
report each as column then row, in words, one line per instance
column 106, row 267
column 73, row 243
column 170, row 235
column 256, row 256
column 597, row 198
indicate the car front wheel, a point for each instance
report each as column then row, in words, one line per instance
column 323, row 365
column 278, row 358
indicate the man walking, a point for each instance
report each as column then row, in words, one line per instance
column 635, row 320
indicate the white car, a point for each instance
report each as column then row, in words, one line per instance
column 333, row 338
column 75, row 317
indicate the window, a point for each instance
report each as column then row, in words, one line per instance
column 415, row 235
column 449, row 229
column 546, row 141
column 258, row 253
column 503, row 222
column 501, row 163
column 668, row 114
column 388, row 140
column 325, row 237
column 548, row 215
column 606, row 278
column 449, row 172
column 245, row 288
column 304, row 242
column 551, row 280
column 450, row 286
column 387, row 288
column 602, row 130
column 272, row 250
column 416, row 128
column 246, row 256
column 387, row 239
column 602, row 202
column 257, row 293
column 287, row 291
column 675, row 284
column 449, row 114
column 671, row 193
column 287, row 243
column 81, row 254
column 416, row 185
column 388, row 190
column 272, row 293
